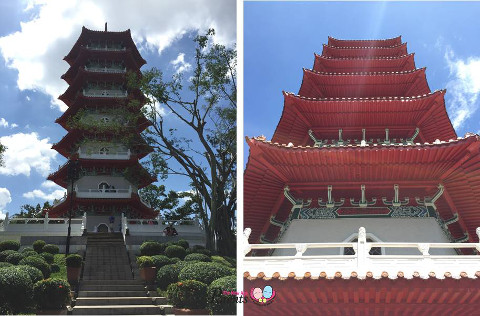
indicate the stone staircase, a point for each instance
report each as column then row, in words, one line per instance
column 108, row 286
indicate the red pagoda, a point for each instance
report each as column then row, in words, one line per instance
column 365, row 201
column 104, row 122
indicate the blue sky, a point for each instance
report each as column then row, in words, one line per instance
column 34, row 37
column 280, row 39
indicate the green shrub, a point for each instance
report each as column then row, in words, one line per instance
column 218, row 303
column 188, row 294
column 231, row 260
column 4, row 254
column 221, row 260
column 14, row 258
column 182, row 243
column 197, row 257
column 53, row 249
column 37, row 262
column 29, row 253
column 27, row 249
column 167, row 275
column 55, row 268
column 38, row 245
column 145, row 262
column 9, row 245
column 183, row 264
column 15, row 290
column 47, row 256
column 175, row 251
column 5, row 264
column 203, row 250
column 160, row 261
column 151, row 248
column 35, row 274
column 73, row 261
column 175, row 260
column 205, row 272
column 52, row 293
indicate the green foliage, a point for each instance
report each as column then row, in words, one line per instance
column 29, row 253
column 167, row 275
column 9, row 245
column 158, row 198
column 5, row 265
column 161, row 260
column 37, row 262
column 221, row 261
column 188, row 294
column 218, row 303
column 203, row 250
column 197, row 257
column 38, row 245
column 145, row 262
column 14, row 258
column 151, row 248
column 205, row 272
column 73, row 261
column 4, row 254
column 53, row 249
column 35, row 274
column 175, row 251
column 55, row 268
column 175, row 260
column 47, row 256
column 60, row 262
column 15, row 289
column 27, row 249
column 52, row 293
column 183, row 243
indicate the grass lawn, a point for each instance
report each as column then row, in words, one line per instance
column 59, row 259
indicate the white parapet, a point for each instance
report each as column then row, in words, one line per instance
column 104, row 193
column 42, row 226
column 118, row 155
column 361, row 263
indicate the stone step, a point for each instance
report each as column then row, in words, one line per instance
column 123, row 310
column 112, row 287
column 84, row 293
column 126, row 300
column 126, row 276
column 112, row 282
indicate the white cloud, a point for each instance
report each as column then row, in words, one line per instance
column 5, row 198
column 180, row 65
column 464, row 88
column 36, row 51
column 49, row 184
column 57, row 194
column 27, row 152
column 4, row 123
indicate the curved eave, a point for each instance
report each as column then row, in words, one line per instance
column 342, row 65
column 394, row 41
column 341, row 52
column 270, row 167
column 87, row 34
column 378, row 84
column 301, row 114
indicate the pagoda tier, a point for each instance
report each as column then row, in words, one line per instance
column 94, row 60
column 401, row 115
column 134, row 206
column 418, row 169
column 375, row 64
column 68, row 145
column 365, row 43
column 346, row 52
column 111, row 162
column 379, row 84
column 96, row 40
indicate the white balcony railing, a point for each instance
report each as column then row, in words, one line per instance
column 105, row 93
column 49, row 226
column 362, row 263
column 118, row 155
column 106, row 69
column 103, row 193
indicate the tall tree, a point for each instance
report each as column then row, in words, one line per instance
column 159, row 200
column 206, row 150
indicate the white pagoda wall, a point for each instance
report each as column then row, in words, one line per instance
column 92, row 182
column 378, row 229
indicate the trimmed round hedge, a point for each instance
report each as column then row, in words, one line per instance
column 151, row 248
column 202, row 250
column 221, row 261
column 4, row 254
column 39, row 263
column 73, row 261
column 55, row 268
column 182, row 243
column 53, row 249
column 49, row 258
column 9, row 245
column 205, row 272
column 14, row 258
column 38, row 245
column 52, row 293
column 221, row 304
column 188, row 294
column 16, row 289
column 145, row 262
column 27, row 249
column 197, row 257
column 167, row 275
column 161, row 260
column 175, row 251
column 35, row 274
column 5, row 265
